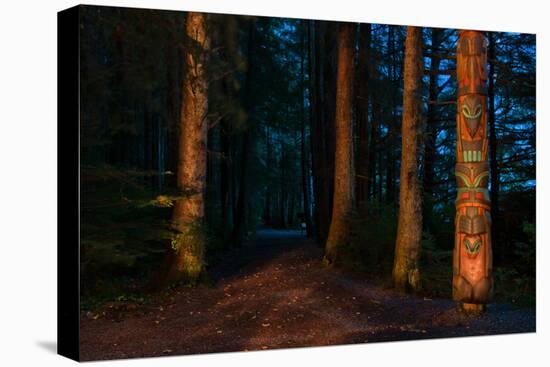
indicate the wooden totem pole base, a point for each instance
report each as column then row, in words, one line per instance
column 473, row 308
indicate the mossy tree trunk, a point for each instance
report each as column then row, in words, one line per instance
column 185, row 260
column 406, row 274
column 343, row 162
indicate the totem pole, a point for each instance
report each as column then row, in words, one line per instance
column 472, row 256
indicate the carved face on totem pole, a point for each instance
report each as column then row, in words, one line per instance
column 472, row 278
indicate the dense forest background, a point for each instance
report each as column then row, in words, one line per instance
column 271, row 143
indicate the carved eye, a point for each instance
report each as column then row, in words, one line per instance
column 477, row 111
column 469, row 114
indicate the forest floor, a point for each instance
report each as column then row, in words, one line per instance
column 274, row 293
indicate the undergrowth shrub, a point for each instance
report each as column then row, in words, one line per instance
column 371, row 240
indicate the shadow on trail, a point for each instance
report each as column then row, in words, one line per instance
column 267, row 245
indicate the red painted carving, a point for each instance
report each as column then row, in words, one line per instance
column 472, row 256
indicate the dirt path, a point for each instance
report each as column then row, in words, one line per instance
column 283, row 298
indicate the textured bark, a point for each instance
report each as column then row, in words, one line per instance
column 343, row 160
column 472, row 256
column 362, row 101
column 406, row 273
column 186, row 257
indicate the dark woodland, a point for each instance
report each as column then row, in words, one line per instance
column 256, row 183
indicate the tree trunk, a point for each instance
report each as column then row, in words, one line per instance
column 343, row 160
column 472, row 256
column 406, row 273
column 362, row 101
column 185, row 260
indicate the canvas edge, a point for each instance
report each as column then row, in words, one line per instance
column 68, row 183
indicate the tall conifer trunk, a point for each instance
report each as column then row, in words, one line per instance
column 343, row 160
column 185, row 260
column 406, row 273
